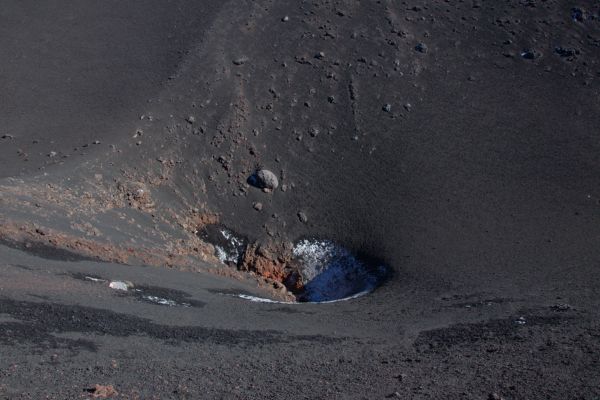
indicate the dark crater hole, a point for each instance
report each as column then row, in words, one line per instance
column 314, row 270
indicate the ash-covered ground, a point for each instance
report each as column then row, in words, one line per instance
column 455, row 144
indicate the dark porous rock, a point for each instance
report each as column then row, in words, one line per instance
column 240, row 60
column 530, row 54
column 421, row 48
column 566, row 52
column 302, row 217
column 577, row 14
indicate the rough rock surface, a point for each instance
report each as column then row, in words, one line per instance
column 266, row 179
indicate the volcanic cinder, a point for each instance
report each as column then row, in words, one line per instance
column 456, row 143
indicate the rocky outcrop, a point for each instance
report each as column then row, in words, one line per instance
column 273, row 261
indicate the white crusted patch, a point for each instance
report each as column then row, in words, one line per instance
column 233, row 252
column 330, row 272
column 162, row 301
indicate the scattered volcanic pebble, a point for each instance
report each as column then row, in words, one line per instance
column 565, row 52
column 241, row 60
column 530, row 54
column 577, row 14
column 302, row 217
column 387, row 107
column 421, row 48
column 266, row 179
column 258, row 206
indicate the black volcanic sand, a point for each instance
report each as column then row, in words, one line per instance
column 456, row 142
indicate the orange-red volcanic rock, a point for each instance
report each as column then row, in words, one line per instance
column 264, row 262
column 103, row 391
column 273, row 262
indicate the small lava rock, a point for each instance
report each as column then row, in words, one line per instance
column 421, row 48
column 577, row 14
column 302, row 217
column 258, row 206
column 561, row 307
column 241, row 60
column 264, row 179
column 530, row 54
column 566, row 52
